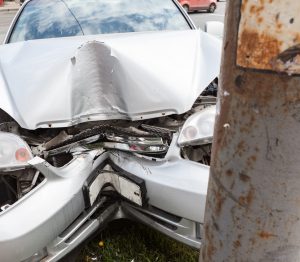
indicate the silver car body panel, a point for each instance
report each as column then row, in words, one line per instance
column 174, row 185
column 66, row 81
column 44, row 212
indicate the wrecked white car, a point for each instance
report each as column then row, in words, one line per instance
column 106, row 112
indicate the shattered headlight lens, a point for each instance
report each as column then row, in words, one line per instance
column 14, row 151
column 198, row 128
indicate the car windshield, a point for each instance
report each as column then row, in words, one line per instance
column 61, row 18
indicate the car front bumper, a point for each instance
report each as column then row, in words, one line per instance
column 55, row 215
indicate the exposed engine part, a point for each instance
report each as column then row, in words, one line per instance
column 212, row 89
column 67, row 148
column 5, row 117
column 143, row 145
column 148, row 137
column 135, row 140
column 52, row 138
column 136, row 148
column 204, row 101
column 8, row 190
column 11, row 127
column 60, row 138
column 58, row 146
column 14, row 185
column 103, row 131
column 200, row 154
column 27, row 184
column 130, row 137
column 160, row 131
column 60, row 160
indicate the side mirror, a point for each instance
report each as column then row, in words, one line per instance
column 214, row 28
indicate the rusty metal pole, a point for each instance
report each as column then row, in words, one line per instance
column 253, row 202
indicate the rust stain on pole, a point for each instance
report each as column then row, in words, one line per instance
column 252, row 210
column 266, row 235
column 269, row 35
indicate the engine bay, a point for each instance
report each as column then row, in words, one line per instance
column 149, row 138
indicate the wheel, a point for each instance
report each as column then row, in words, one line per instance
column 186, row 8
column 212, row 8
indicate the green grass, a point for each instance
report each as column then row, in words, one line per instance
column 125, row 241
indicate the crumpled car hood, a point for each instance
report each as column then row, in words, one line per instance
column 65, row 81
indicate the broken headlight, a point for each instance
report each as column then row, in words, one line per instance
column 14, row 152
column 198, row 128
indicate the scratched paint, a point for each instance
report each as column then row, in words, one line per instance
column 269, row 36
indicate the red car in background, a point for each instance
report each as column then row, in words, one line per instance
column 195, row 5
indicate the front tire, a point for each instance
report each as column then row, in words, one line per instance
column 212, row 8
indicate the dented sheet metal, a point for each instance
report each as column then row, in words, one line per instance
column 63, row 82
column 269, row 36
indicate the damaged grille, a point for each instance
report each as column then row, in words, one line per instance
column 147, row 140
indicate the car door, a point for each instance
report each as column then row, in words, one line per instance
column 201, row 4
column 194, row 4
